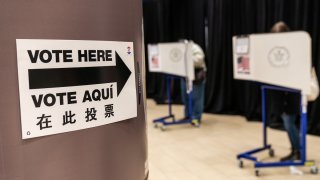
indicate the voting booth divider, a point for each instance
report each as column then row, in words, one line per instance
column 280, row 62
column 175, row 61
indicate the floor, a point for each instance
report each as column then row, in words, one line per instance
column 184, row 152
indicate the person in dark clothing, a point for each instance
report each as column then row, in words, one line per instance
column 288, row 107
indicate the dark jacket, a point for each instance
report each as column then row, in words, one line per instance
column 284, row 102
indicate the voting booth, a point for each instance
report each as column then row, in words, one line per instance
column 281, row 62
column 72, row 103
column 175, row 61
column 282, row 59
column 171, row 58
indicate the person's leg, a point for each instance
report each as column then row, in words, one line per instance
column 293, row 133
column 198, row 100
column 289, row 121
column 287, row 126
column 184, row 96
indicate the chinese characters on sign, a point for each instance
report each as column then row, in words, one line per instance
column 44, row 122
column 70, row 118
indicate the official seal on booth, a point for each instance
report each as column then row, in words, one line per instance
column 279, row 57
column 175, row 55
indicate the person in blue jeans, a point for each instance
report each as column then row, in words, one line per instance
column 288, row 106
column 198, row 88
column 289, row 122
column 197, row 100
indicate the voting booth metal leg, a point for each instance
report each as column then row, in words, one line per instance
column 266, row 146
column 162, row 122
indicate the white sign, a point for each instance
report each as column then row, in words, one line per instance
column 242, row 45
column 172, row 58
column 282, row 59
column 68, row 85
column 153, row 57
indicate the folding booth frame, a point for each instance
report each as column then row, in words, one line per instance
column 303, row 131
column 163, row 122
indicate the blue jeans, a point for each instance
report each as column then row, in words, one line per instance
column 197, row 99
column 289, row 121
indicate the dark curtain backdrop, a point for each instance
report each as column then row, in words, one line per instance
column 170, row 20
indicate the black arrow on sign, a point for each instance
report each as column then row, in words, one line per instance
column 65, row 77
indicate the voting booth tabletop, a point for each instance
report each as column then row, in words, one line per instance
column 72, row 103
